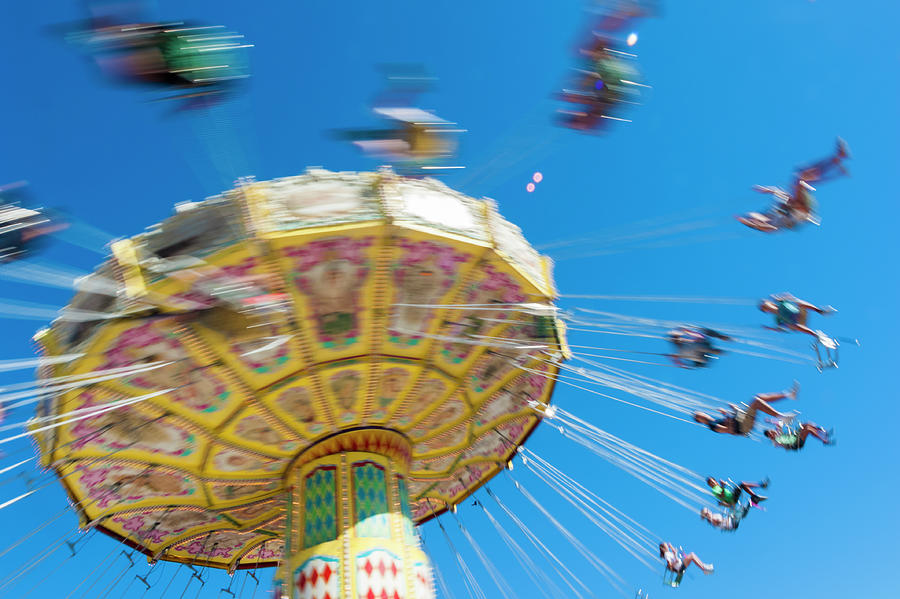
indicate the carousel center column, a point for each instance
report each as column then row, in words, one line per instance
column 350, row 534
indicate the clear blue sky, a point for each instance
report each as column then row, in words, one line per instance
column 742, row 93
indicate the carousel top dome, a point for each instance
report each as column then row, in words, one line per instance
column 255, row 327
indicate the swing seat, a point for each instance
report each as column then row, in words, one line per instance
column 827, row 357
column 672, row 578
column 826, row 341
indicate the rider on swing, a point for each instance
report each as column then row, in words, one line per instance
column 199, row 64
column 608, row 78
column 798, row 206
column 694, row 347
column 740, row 421
column 794, row 438
column 677, row 562
column 728, row 520
column 791, row 314
column 728, row 494
column 22, row 230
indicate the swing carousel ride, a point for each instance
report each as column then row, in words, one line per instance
column 297, row 374
column 301, row 389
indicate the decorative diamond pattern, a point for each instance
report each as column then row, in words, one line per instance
column 370, row 500
column 379, row 575
column 320, row 524
column 424, row 584
column 317, row 578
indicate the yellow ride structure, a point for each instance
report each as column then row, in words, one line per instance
column 298, row 372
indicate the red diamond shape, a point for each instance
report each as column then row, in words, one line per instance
column 383, row 595
column 381, row 568
column 326, row 573
column 370, row 595
column 394, row 569
column 368, row 568
column 396, row 595
column 313, row 577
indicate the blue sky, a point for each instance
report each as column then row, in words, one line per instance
column 742, row 93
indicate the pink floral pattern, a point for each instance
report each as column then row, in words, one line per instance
column 196, row 388
column 445, row 256
column 423, row 274
column 461, row 481
column 330, row 273
column 271, row 549
column 154, row 526
column 121, row 484
column 230, row 272
column 344, row 248
column 495, row 444
column 127, row 428
column 216, row 545
column 513, row 398
column 139, row 337
column 425, row 508
column 492, row 287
